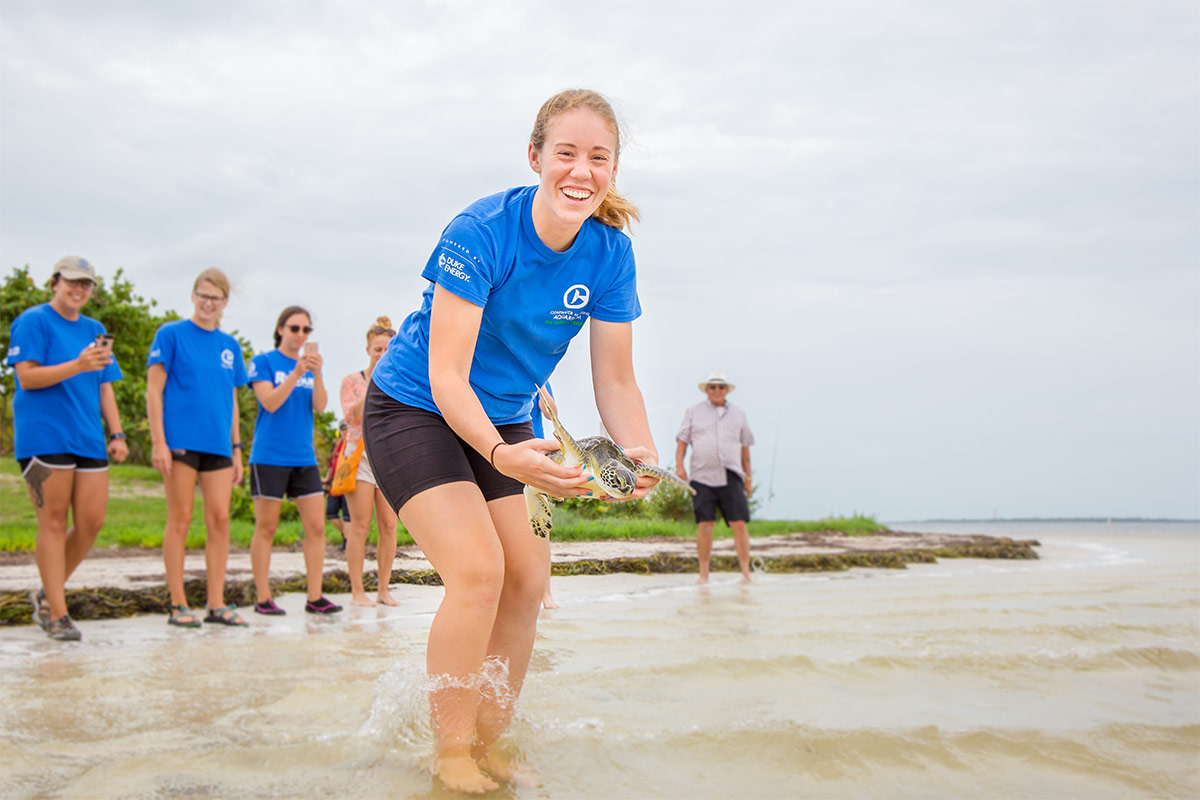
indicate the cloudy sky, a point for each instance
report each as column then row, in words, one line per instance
column 949, row 251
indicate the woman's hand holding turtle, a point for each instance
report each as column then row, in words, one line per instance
column 641, row 455
column 526, row 461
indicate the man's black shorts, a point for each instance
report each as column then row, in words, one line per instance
column 411, row 450
column 730, row 498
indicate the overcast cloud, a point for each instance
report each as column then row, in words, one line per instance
column 948, row 251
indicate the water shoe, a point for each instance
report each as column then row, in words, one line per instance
column 321, row 606
column 268, row 607
column 63, row 630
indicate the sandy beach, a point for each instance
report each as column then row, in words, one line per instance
column 1075, row 674
column 140, row 572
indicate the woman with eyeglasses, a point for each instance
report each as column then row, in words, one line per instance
column 283, row 461
column 366, row 495
column 194, row 369
column 64, row 368
column 512, row 280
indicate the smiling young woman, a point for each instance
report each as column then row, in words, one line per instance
column 65, row 369
column 447, row 416
column 194, row 369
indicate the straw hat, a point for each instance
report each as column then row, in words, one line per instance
column 716, row 376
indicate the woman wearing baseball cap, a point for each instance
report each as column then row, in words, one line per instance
column 65, row 368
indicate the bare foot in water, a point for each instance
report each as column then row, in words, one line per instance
column 362, row 600
column 548, row 601
column 386, row 599
column 462, row 774
column 502, row 769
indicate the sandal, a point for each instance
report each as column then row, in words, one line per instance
column 182, row 617
column 226, row 615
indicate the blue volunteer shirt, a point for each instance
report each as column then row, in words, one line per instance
column 65, row 417
column 534, row 300
column 283, row 438
column 203, row 368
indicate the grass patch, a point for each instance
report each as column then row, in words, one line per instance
column 137, row 515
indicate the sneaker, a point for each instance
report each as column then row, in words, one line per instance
column 41, row 608
column 321, row 606
column 268, row 607
column 63, row 630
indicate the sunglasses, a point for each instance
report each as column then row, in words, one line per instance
column 717, row 386
column 379, row 329
column 80, row 283
column 208, row 298
column 298, row 328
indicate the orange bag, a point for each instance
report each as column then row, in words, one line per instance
column 347, row 468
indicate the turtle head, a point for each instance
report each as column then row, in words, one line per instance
column 617, row 480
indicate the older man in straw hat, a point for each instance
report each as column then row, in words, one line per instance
column 720, row 438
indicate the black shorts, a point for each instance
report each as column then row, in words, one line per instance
column 65, row 461
column 201, row 462
column 274, row 483
column 411, row 450
column 336, row 506
column 730, row 498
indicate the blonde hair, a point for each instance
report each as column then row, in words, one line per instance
column 215, row 277
column 387, row 329
column 615, row 209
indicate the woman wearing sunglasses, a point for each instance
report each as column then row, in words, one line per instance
column 65, row 369
column 366, row 496
column 193, row 373
column 283, row 461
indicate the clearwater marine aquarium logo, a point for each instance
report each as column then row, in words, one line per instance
column 576, row 296
column 227, row 358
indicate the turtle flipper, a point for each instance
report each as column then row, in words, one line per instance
column 663, row 475
column 569, row 445
column 537, row 505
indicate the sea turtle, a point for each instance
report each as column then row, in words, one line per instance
column 611, row 471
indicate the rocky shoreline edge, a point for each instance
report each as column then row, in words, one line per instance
column 120, row 595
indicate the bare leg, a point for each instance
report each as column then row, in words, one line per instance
column 452, row 526
column 741, row 541
column 312, row 517
column 266, row 522
column 180, row 487
column 360, row 501
column 50, row 491
column 216, row 487
column 526, row 565
column 89, row 505
column 385, row 552
column 704, row 540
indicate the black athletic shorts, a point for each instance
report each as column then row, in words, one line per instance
column 412, row 450
column 273, row 483
column 730, row 498
column 336, row 506
column 65, row 461
column 201, row 462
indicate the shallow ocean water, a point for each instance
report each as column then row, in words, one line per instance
column 1075, row 675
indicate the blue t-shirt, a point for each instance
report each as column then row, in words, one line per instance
column 534, row 300
column 203, row 368
column 65, row 417
column 283, row 438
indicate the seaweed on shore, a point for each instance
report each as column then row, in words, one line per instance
column 111, row 603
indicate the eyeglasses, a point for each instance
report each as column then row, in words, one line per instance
column 298, row 328
column 721, row 386
column 379, row 329
column 80, row 283
column 208, row 298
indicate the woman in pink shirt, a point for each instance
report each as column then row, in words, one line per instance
column 366, row 495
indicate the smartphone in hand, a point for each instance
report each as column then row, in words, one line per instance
column 310, row 348
column 105, row 341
